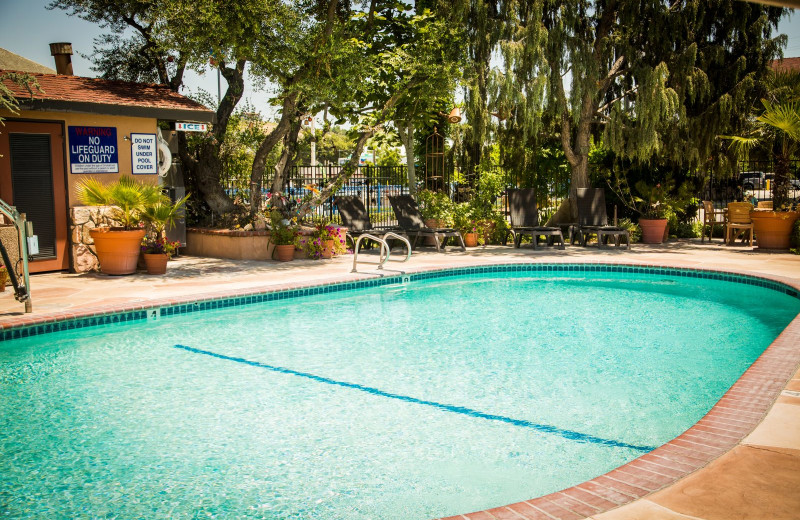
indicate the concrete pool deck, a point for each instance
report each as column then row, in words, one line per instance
column 756, row 475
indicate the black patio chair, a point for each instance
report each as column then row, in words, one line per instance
column 525, row 219
column 355, row 218
column 593, row 218
column 410, row 220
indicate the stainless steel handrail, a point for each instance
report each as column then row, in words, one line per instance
column 385, row 249
column 22, row 293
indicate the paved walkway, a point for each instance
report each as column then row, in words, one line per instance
column 758, row 479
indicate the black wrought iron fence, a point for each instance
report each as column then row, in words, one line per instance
column 375, row 184
column 755, row 178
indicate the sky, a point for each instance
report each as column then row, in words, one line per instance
column 27, row 28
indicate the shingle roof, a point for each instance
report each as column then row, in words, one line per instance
column 785, row 64
column 11, row 61
column 95, row 95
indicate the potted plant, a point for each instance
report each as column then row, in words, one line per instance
column 283, row 235
column 773, row 228
column 156, row 249
column 118, row 247
column 324, row 242
column 157, row 252
column 465, row 224
column 776, row 131
column 655, row 203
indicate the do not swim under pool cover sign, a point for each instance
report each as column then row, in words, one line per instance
column 93, row 149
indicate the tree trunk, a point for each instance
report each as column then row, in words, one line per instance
column 287, row 160
column 208, row 167
column 288, row 114
column 406, row 133
column 780, row 188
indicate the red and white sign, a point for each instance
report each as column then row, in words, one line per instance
column 191, row 127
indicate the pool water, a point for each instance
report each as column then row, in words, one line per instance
column 409, row 401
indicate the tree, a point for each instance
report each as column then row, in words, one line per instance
column 653, row 79
column 169, row 36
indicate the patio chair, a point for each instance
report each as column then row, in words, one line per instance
column 410, row 220
column 525, row 219
column 593, row 219
column 711, row 217
column 739, row 222
column 355, row 218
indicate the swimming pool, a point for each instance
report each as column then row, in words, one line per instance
column 452, row 392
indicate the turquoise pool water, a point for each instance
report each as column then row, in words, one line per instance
column 408, row 401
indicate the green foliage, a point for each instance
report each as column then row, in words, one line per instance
column 282, row 232
column 633, row 229
column 435, row 205
column 331, row 145
column 131, row 198
column 8, row 100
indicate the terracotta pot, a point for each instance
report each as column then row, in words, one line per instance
column 156, row 263
column 653, row 230
column 327, row 252
column 773, row 229
column 471, row 239
column 284, row 253
column 117, row 250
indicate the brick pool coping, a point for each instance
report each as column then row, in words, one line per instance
column 728, row 422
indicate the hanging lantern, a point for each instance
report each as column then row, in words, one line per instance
column 455, row 115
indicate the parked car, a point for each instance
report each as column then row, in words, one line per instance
column 753, row 180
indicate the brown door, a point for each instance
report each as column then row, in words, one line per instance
column 32, row 179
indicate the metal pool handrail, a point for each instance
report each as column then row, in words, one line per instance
column 384, row 249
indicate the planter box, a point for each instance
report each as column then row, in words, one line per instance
column 234, row 245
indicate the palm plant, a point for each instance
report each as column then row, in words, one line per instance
column 128, row 197
column 776, row 129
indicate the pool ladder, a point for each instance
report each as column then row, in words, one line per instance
column 386, row 251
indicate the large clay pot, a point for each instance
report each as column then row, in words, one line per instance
column 773, row 228
column 117, row 250
column 284, row 253
column 327, row 252
column 470, row 239
column 653, row 230
column 156, row 263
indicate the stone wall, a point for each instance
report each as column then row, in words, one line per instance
column 83, row 258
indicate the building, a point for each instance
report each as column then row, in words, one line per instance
column 72, row 128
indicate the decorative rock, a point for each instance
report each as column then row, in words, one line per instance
column 260, row 224
column 84, row 259
column 248, row 227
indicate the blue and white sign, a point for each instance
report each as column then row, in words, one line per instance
column 144, row 154
column 93, row 149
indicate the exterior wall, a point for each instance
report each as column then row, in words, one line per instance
column 81, row 218
column 124, row 125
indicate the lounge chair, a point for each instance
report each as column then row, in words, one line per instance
column 410, row 220
column 525, row 219
column 593, row 219
column 355, row 218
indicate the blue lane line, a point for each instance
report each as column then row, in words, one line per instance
column 545, row 428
